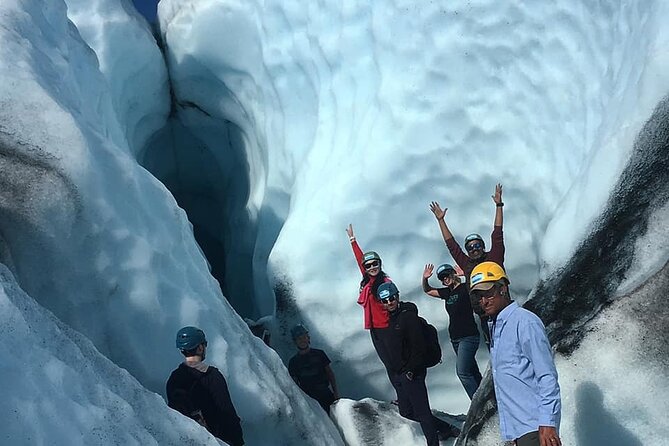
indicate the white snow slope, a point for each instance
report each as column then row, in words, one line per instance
column 93, row 238
column 362, row 112
column 347, row 112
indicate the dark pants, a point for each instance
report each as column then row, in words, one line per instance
column 325, row 398
column 381, row 339
column 529, row 439
column 414, row 405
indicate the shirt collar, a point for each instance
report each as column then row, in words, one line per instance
column 199, row 366
column 506, row 313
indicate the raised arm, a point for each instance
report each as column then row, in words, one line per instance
column 357, row 252
column 427, row 289
column 456, row 252
column 499, row 205
column 497, row 250
column 439, row 214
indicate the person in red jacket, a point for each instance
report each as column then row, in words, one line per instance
column 376, row 318
column 475, row 247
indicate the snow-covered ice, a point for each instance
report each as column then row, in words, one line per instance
column 60, row 390
column 92, row 237
column 274, row 124
column 352, row 116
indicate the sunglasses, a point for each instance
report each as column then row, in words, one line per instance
column 485, row 295
column 371, row 265
column 389, row 299
column 474, row 247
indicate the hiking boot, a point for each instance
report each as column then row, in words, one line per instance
column 452, row 432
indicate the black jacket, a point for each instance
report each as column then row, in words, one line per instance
column 407, row 345
column 209, row 393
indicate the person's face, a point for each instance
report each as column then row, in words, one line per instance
column 372, row 267
column 475, row 249
column 449, row 280
column 391, row 303
column 493, row 300
column 302, row 342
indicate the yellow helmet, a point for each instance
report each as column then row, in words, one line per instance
column 485, row 275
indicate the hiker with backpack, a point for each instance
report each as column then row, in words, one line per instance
column 475, row 247
column 199, row 391
column 408, row 361
column 374, row 313
column 462, row 327
column 311, row 371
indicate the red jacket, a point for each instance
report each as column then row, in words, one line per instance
column 375, row 314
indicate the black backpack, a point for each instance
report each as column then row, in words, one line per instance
column 182, row 401
column 432, row 347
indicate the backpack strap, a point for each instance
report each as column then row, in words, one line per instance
column 197, row 414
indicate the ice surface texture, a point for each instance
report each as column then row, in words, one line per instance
column 312, row 116
column 362, row 112
column 95, row 239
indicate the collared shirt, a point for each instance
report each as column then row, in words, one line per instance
column 524, row 374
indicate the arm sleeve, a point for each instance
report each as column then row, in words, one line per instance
column 292, row 371
column 497, row 249
column 457, row 253
column 414, row 336
column 230, row 420
column 170, row 391
column 357, row 252
column 536, row 347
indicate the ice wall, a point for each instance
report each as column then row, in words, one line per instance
column 94, row 239
column 60, row 390
column 359, row 112
column 130, row 62
column 602, row 313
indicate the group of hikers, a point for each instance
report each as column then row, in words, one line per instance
column 524, row 374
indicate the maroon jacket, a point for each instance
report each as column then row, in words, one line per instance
column 496, row 253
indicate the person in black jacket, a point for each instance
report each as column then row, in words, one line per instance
column 407, row 365
column 199, row 391
column 311, row 371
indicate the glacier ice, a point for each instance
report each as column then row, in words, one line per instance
column 61, row 390
column 352, row 116
column 274, row 124
column 95, row 239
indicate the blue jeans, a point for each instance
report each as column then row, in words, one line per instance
column 465, row 365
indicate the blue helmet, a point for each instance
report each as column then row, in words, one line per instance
column 444, row 270
column 298, row 331
column 188, row 338
column 387, row 290
column 474, row 236
column 370, row 255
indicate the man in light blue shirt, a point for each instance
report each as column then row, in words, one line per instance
column 524, row 374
